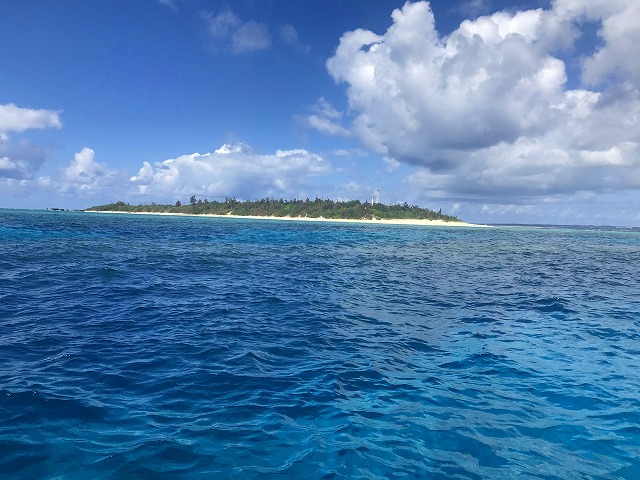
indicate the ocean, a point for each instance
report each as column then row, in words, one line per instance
column 154, row 347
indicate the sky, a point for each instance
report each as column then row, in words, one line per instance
column 494, row 111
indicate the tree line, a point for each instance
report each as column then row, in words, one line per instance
column 270, row 207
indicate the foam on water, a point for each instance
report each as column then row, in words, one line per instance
column 172, row 347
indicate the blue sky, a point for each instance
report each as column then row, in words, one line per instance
column 496, row 111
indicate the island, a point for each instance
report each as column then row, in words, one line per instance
column 310, row 210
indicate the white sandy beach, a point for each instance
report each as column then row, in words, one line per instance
column 397, row 221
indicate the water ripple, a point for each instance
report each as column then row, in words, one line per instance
column 151, row 347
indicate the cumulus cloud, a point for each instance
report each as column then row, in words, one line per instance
column 84, row 169
column 229, row 32
column 619, row 34
column 83, row 176
column 16, row 119
column 231, row 170
column 488, row 110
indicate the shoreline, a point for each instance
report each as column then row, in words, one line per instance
column 397, row 221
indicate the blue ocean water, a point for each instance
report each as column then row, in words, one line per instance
column 183, row 347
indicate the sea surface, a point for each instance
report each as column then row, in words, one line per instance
column 152, row 347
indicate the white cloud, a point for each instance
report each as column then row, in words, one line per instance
column 12, row 189
column 392, row 164
column 231, row 170
column 506, row 209
column 250, row 37
column 353, row 152
column 324, row 125
column 84, row 169
column 16, row 119
column 230, row 32
column 290, row 35
column 613, row 156
column 16, row 169
column 574, row 208
column 6, row 164
column 619, row 32
column 20, row 160
column 531, row 168
column 341, row 152
column 326, row 119
column 472, row 8
column 83, row 176
column 486, row 111
column 326, row 110
column 172, row 4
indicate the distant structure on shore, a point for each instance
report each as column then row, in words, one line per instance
column 376, row 197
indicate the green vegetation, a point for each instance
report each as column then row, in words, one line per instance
column 269, row 207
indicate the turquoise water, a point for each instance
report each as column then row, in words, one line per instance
column 179, row 347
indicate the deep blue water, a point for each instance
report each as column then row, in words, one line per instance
column 179, row 347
